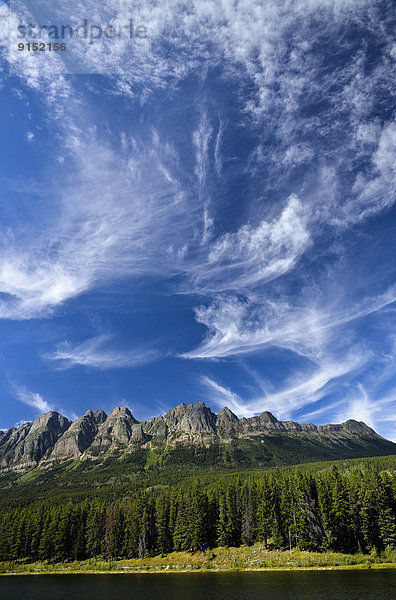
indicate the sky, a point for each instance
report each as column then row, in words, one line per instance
column 198, row 204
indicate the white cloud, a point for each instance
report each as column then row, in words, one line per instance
column 237, row 327
column 363, row 403
column 302, row 390
column 96, row 354
column 201, row 139
column 373, row 192
column 327, row 411
column 111, row 222
column 252, row 255
column 32, row 399
column 267, row 250
column 312, row 325
column 218, row 149
column 361, row 408
column 307, row 390
column 332, row 392
column 223, row 396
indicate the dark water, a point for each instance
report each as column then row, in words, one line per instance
column 308, row 585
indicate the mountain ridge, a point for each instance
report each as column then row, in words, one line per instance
column 53, row 438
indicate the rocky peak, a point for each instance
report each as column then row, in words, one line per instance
column 227, row 423
column 79, row 436
column 267, row 417
column 5, row 435
column 96, row 416
column 264, row 422
column 116, row 429
column 329, row 427
column 225, row 414
column 175, row 415
column 51, row 422
column 30, row 442
column 358, row 428
column 191, row 419
column 291, row 426
column 11, row 447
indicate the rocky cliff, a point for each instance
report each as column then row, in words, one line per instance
column 27, row 446
column 80, row 435
column 53, row 438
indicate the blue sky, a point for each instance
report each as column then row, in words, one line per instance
column 207, row 213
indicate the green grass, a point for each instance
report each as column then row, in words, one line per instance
column 254, row 557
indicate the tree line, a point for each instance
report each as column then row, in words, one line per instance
column 346, row 512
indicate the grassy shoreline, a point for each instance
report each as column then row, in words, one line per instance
column 253, row 558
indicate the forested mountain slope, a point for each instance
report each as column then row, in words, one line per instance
column 348, row 508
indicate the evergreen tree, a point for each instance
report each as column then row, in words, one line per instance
column 164, row 536
column 248, row 514
column 263, row 511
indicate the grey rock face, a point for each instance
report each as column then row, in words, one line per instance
column 261, row 424
column 12, row 447
column 5, row 435
column 174, row 416
column 308, row 427
column 137, row 435
column 358, row 428
column 330, row 427
column 79, row 436
column 53, row 437
column 156, row 428
column 227, row 423
column 116, row 429
column 191, row 419
column 30, row 442
column 352, row 427
column 291, row 426
column 266, row 418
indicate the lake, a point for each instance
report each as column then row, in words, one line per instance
column 280, row 585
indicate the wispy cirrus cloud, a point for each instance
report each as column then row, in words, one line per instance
column 253, row 255
column 223, row 396
column 301, row 390
column 201, row 139
column 33, row 399
column 363, row 404
column 99, row 353
column 238, row 326
column 107, row 236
